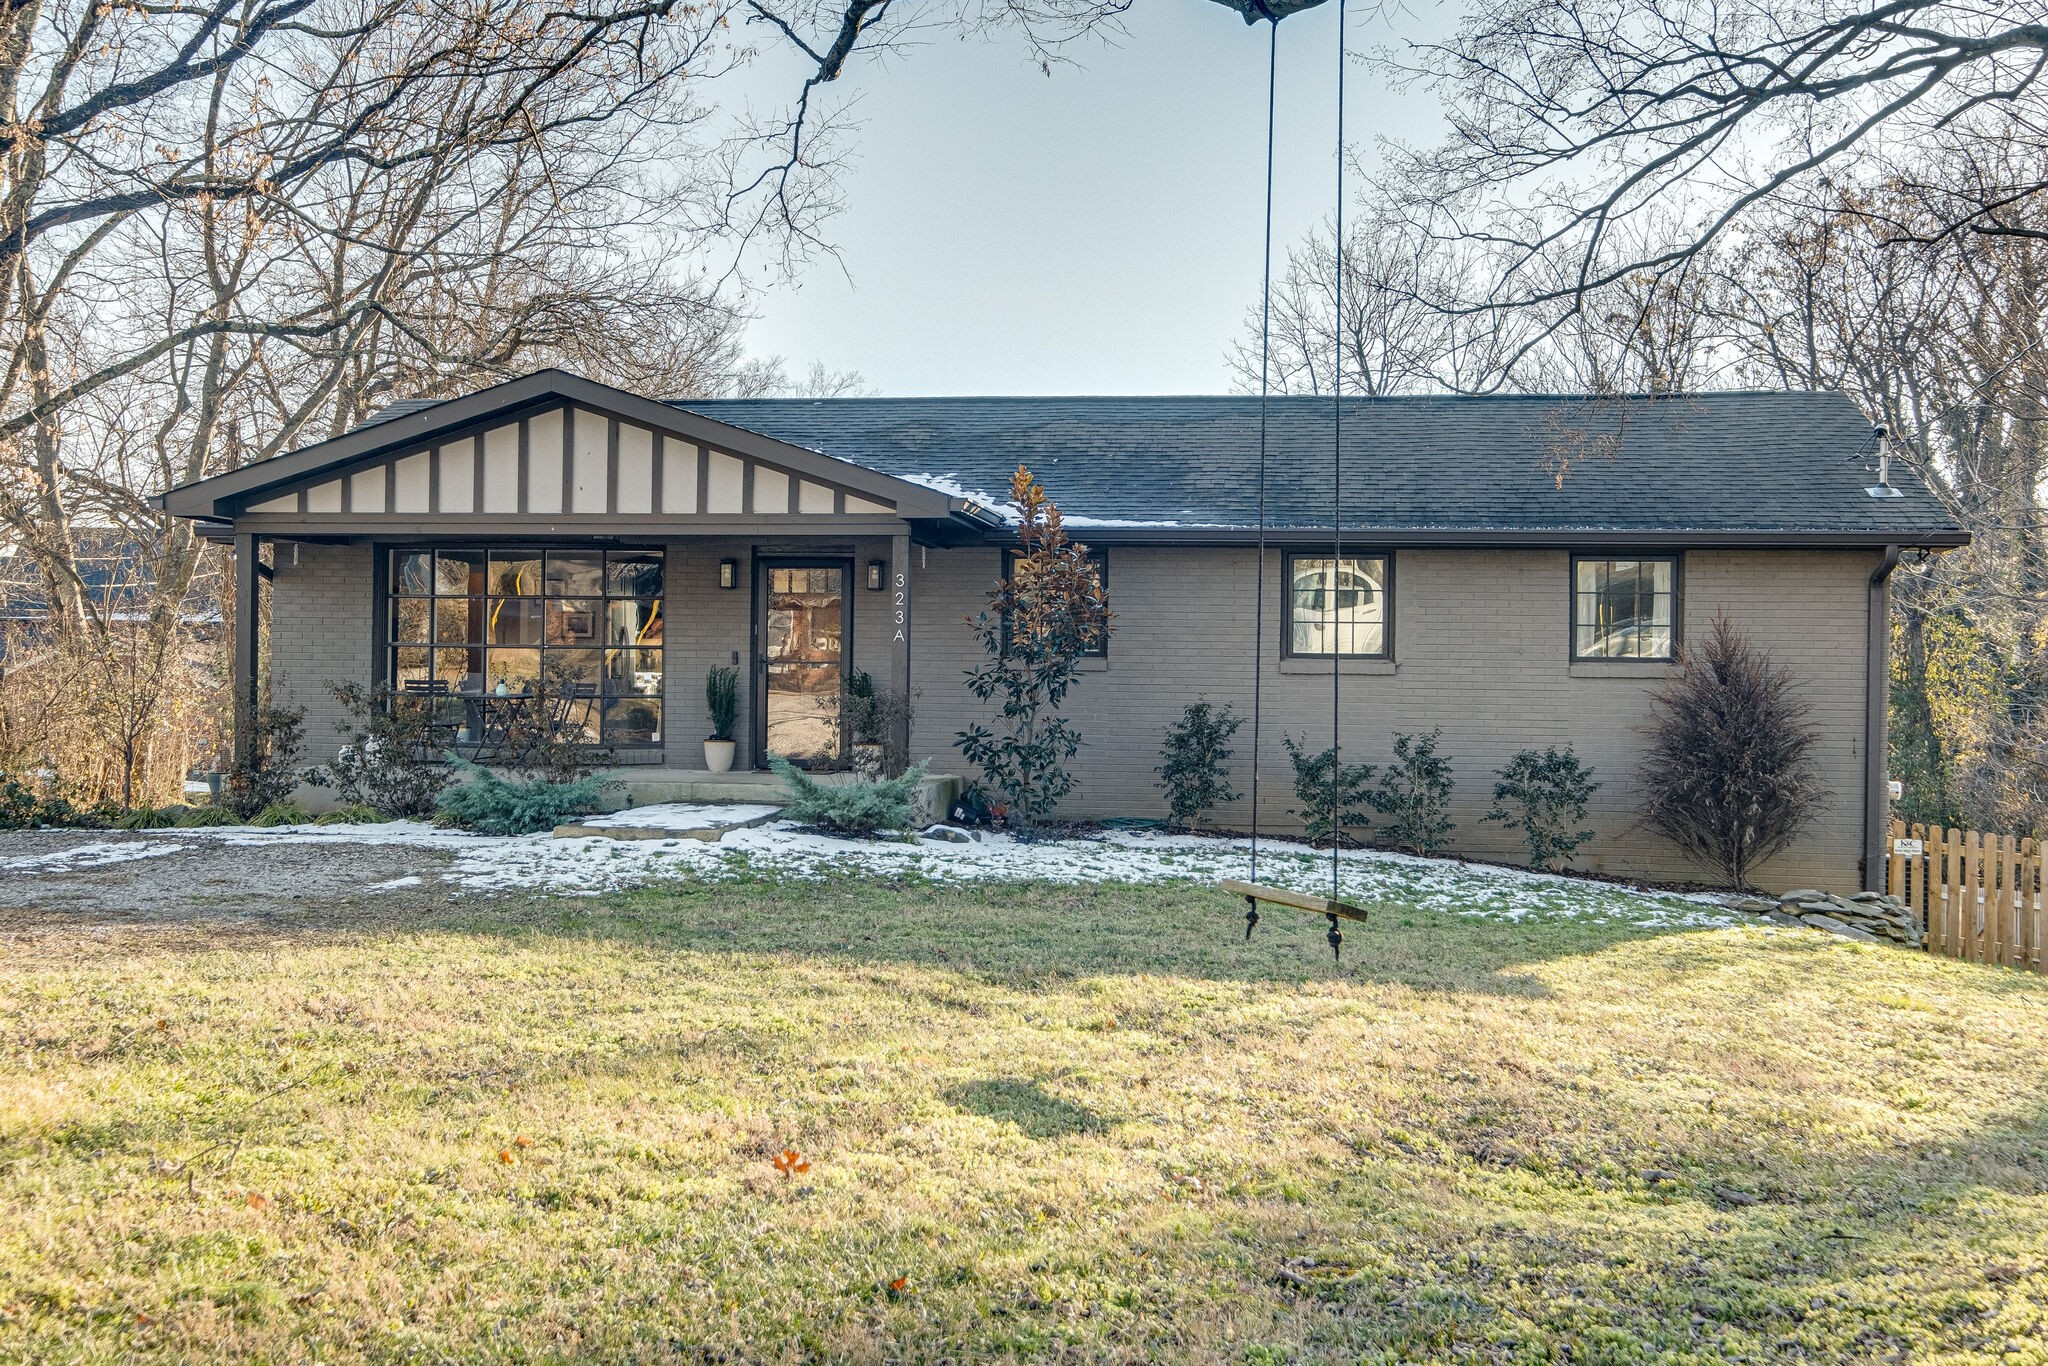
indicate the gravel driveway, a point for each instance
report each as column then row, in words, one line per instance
column 111, row 875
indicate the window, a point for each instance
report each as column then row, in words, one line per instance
column 1337, row 607
column 1624, row 608
column 1097, row 557
column 590, row 622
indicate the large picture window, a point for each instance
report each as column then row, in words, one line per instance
column 589, row 622
column 1337, row 606
column 1624, row 608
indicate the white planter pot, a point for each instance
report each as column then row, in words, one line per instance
column 868, row 761
column 718, row 755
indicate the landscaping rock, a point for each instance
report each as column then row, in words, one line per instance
column 1871, row 917
column 949, row 834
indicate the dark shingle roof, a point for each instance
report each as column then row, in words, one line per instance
column 1714, row 462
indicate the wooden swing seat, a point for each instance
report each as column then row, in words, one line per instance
column 1300, row 901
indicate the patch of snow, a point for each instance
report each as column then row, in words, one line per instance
column 394, row 884
column 95, row 855
column 953, row 488
column 592, row 865
column 678, row 816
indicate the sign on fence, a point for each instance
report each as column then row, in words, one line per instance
column 1979, row 896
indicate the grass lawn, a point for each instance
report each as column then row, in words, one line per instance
column 1039, row 1122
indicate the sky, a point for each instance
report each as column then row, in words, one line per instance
column 1095, row 231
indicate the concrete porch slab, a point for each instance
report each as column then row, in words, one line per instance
column 670, row 821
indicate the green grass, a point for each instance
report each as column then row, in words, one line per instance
column 1040, row 1122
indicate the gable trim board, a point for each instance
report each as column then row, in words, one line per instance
column 564, row 465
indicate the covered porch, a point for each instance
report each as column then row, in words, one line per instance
column 556, row 542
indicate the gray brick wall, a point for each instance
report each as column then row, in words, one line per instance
column 1480, row 649
column 321, row 619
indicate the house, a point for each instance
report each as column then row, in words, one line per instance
column 1518, row 571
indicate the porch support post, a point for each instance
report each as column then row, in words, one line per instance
column 899, row 634
column 248, row 624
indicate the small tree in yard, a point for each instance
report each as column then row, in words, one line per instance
column 1196, row 773
column 1038, row 626
column 1729, row 777
column 1414, row 795
column 1328, row 810
column 1544, row 793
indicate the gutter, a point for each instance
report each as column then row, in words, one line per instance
column 1876, row 732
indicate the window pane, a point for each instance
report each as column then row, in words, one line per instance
column 517, row 669
column 1338, row 607
column 575, row 575
column 1623, row 609
column 633, row 576
column 514, row 621
column 573, row 621
column 412, row 621
column 458, row 621
column 633, row 721
column 458, row 572
column 633, row 671
column 515, row 576
column 585, row 667
column 413, row 665
column 632, row 623
column 412, row 571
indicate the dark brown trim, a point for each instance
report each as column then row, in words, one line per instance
column 568, row 503
column 760, row 565
column 1368, row 552
column 657, row 455
column 521, row 470
column 1571, row 605
column 611, row 469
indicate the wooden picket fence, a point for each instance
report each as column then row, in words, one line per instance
column 1979, row 896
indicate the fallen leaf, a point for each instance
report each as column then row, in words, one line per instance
column 792, row 1162
column 258, row 1200
column 900, row 1286
column 143, row 1320
column 522, row 1142
column 505, row 1156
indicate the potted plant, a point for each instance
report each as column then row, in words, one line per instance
column 722, row 698
column 864, row 719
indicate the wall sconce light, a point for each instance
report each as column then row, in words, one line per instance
column 728, row 573
column 874, row 576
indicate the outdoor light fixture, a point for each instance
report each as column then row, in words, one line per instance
column 874, row 576
column 728, row 573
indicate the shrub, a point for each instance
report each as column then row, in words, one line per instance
column 24, row 807
column 539, row 746
column 354, row 814
column 1543, row 793
column 388, row 759
column 722, row 699
column 877, row 716
column 148, row 818
column 282, row 813
column 1328, row 813
column 492, row 805
column 1195, row 768
column 1414, row 795
column 196, row 817
column 1728, row 776
column 860, row 807
column 1038, row 626
column 267, row 777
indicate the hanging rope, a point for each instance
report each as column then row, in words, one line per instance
column 1337, row 512
column 1251, row 915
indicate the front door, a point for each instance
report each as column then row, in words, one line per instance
column 805, row 627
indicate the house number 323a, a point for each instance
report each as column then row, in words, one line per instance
column 900, row 602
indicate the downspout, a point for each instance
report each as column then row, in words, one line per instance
column 1876, row 732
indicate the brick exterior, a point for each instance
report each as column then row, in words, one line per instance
column 1480, row 648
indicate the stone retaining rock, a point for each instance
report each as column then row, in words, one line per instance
column 1869, row 916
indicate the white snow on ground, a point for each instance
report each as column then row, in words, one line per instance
column 589, row 866
column 82, row 856
column 677, row 816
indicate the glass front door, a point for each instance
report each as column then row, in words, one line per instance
column 803, row 641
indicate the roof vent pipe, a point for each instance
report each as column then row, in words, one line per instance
column 1881, row 434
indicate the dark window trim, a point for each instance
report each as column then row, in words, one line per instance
column 1287, row 650
column 1571, row 605
column 1099, row 556
column 384, row 668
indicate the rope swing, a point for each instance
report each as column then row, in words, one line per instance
column 1253, row 892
